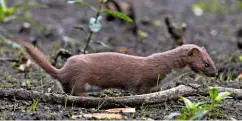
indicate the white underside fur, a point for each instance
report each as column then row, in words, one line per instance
column 91, row 88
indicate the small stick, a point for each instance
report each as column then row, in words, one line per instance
column 177, row 33
column 91, row 32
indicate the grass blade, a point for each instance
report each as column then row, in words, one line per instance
column 119, row 15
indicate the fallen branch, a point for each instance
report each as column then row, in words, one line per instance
column 152, row 98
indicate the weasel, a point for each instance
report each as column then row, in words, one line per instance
column 93, row 72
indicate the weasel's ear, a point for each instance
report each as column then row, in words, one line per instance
column 203, row 48
column 193, row 51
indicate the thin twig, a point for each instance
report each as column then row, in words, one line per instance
column 177, row 32
column 88, row 41
column 91, row 33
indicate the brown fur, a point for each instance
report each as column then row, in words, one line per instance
column 115, row 70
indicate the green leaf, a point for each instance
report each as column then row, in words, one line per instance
column 119, row 15
column 229, row 76
column 80, row 2
column 198, row 104
column 240, row 4
column 28, row 83
column 3, row 6
column 2, row 17
column 222, row 95
column 10, row 11
column 240, row 58
column 187, row 102
column 199, row 114
column 213, row 93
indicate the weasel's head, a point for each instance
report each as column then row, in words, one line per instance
column 200, row 62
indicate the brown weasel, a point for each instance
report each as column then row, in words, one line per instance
column 93, row 72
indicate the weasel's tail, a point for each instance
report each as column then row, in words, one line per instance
column 38, row 57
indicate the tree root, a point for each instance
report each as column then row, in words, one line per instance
column 152, row 98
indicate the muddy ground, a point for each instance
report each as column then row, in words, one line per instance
column 216, row 30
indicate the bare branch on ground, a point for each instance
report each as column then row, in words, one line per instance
column 152, row 98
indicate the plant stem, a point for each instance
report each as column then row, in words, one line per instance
column 91, row 33
column 88, row 41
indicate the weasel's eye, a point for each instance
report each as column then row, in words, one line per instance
column 206, row 65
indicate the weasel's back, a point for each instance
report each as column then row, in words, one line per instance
column 107, row 59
